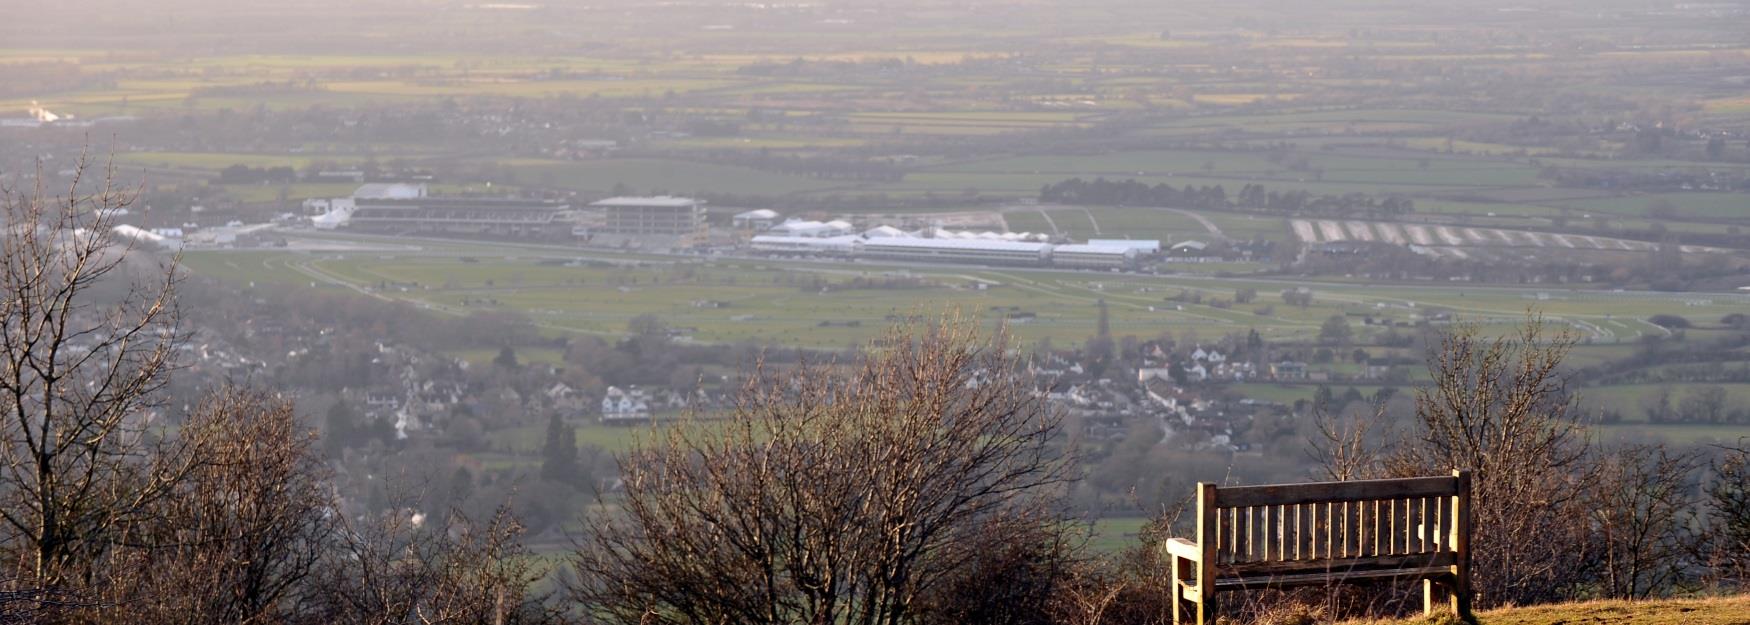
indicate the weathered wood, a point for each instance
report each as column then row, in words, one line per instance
column 1461, row 544
column 1181, row 548
column 1206, row 511
column 1318, row 492
column 1337, row 568
column 1329, row 534
column 1324, row 579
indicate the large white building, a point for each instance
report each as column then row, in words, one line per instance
column 332, row 213
column 979, row 251
column 777, row 244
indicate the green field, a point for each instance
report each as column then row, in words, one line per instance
column 809, row 303
column 1712, row 205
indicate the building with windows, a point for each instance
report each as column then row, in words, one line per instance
column 1093, row 256
column 978, row 251
column 665, row 216
column 455, row 215
column 775, row 244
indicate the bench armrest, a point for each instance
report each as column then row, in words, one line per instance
column 1181, row 548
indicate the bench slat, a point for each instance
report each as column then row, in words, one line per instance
column 1323, row 578
column 1360, row 490
column 1339, row 567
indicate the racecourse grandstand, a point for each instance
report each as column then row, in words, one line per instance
column 1093, row 256
column 456, row 215
column 969, row 248
column 975, row 251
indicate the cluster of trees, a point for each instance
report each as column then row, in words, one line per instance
column 119, row 507
column 1708, row 404
column 1565, row 518
column 1103, row 192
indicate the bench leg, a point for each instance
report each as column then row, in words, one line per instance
column 1182, row 572
column 1446, row 592
column 1460, row 599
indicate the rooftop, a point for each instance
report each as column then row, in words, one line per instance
column 957, row 244
column 1094, row 249
column 660, row 201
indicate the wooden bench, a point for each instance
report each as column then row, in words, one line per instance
column 1277, row 536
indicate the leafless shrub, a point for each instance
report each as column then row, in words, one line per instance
column 240, row 536
column 1642, row 511
column 833, row 494
column 400, row 567
column 85, row 343
column 1724, row 551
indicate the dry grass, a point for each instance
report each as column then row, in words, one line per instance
column 1733, row 610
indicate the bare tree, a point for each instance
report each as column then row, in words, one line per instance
column 85, row 343
column 832, row 494
column 1642, row 508
column 399, row 567
column 243, row 533
column 1725, row 552
column 1499, row 408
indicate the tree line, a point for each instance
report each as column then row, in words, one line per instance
column 1130, row 192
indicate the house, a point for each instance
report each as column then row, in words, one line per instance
column 626, row 405
column 385, row 400
column 1288, row 370
column 1378, row 368
column 1143, row 375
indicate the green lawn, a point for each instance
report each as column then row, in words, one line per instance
column 784, row 301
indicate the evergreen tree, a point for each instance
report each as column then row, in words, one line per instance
column 340, row 427
column 1104, row 330
column 506, row 358
column 559, row 456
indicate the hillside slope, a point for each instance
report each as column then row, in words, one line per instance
column 1713, row 611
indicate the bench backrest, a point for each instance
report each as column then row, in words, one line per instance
column 1365, row 524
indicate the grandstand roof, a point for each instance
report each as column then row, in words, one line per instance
column 389, row 191
column 1141, row 245
column 956, row 244
column 1093, row 249
column 886, row 231
column 660, row 201
column 461, row 202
